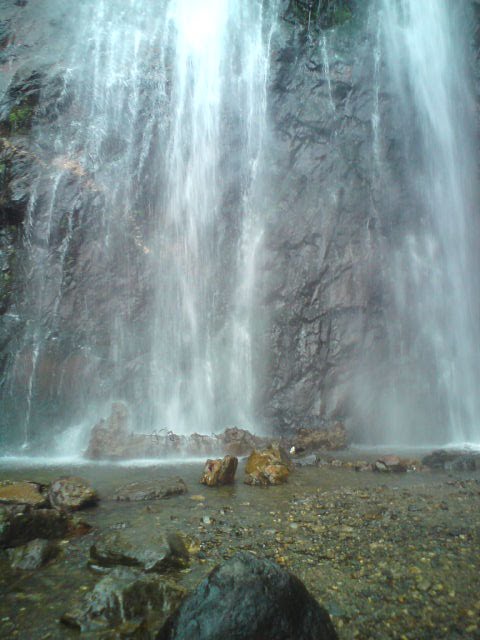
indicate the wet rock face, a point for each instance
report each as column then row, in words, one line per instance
column 330, row 230
column 249, row 598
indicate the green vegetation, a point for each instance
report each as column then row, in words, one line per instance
column 323, row 14
column 341, row 15
column 20, row 118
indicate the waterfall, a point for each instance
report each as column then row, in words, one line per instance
column 202, row 367
column 435, row 326
column 144, row 222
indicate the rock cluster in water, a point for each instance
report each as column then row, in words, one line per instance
column 113, row 439
column 32, row 515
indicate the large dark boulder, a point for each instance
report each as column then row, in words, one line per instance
column 249, row 598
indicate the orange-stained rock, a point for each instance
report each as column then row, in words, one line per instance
column 390, row 463
column 22, row 492
column 270, row 466
column 220, row 471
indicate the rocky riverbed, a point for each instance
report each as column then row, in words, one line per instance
column 389, row 555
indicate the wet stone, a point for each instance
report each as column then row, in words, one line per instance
column 170, row 555
column 125, row 600
column 220, row 471
column 271, row 466
column 72, row 493
column 390, row 464
column 33, row 555
column 249, row 597
column 23, row 492
column 20, row 524
column 157, row 490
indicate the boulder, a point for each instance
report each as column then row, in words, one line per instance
column 71, row 493
column 33, row 555
column 305, row 440
column 249, row 598
column 158, row 490
column 23, row 492
column 239, row 442
column 128, row 601
column 170, row 555
column 270, row 466
column 389, row 464
column 220, row 471
column 452, row 460
column 21, row 523
column 109, row 438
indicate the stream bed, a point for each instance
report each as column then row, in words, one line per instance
column 389, row 555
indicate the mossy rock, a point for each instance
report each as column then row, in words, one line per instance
column 20, row 118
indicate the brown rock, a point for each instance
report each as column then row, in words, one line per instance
column 239, row 442
column 332, row 439
column 127, row 601
column 109, row 438
column 390, row 464
column 270, row 466
column 22, row 492
column 220, row 471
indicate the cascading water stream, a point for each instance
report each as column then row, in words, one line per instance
column 202, row 367
column 143, row 225
column 435, row 328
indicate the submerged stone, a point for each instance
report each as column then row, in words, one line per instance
column 248, row 598
column 157, row 490
column 170, row 555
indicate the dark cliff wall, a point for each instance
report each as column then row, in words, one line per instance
column 325, row 281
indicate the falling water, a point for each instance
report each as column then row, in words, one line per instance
column 435, row 273
column 144, row 222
